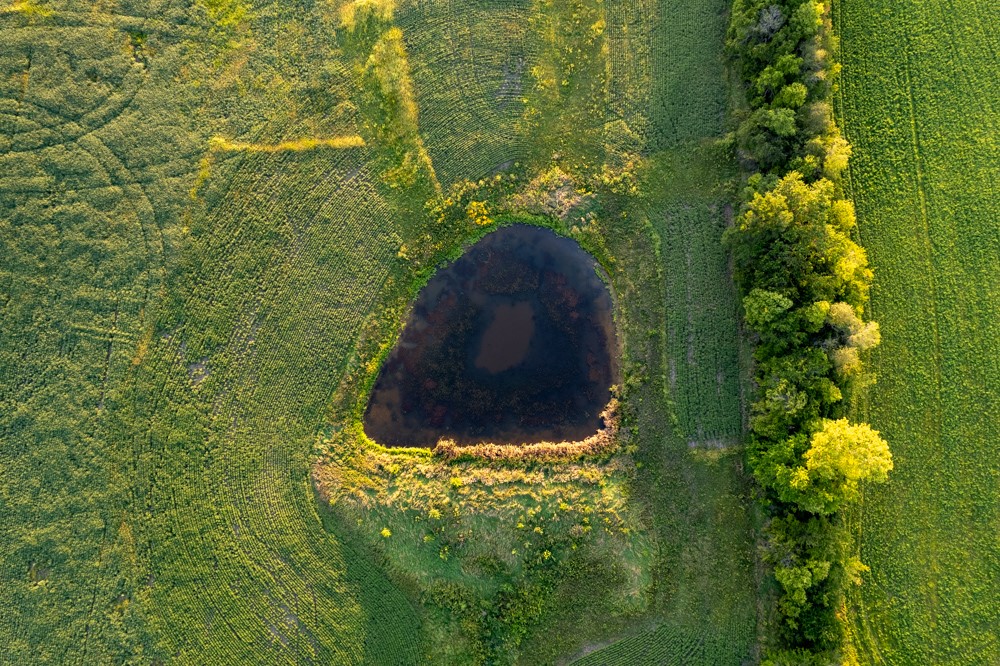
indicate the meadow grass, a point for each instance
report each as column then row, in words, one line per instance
column 668, row 80
column 163, row 366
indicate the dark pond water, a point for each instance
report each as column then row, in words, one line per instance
column 514, row 342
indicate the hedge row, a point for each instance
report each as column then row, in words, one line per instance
column 804, row 284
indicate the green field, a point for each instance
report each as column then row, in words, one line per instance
column 192, row 283
column 920, row 107
column 166, row 356
column 213, row 216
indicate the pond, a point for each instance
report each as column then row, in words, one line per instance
column 514, row 342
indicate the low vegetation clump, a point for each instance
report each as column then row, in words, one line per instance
column 602, row 441
column 805, row 283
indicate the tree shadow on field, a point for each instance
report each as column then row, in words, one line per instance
column 364, row 572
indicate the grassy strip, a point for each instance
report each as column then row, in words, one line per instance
column 338, row 142
column 805, row 284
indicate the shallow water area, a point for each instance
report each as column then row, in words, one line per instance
column 514, row 342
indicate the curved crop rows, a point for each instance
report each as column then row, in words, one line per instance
column 248, row 557
column 82, row 264
column 469, row 69
column 156, row 437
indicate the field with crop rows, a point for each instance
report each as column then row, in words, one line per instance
column 668, row 83
column 469, row 74
column 165, row 359
column 921, row 106
column 206, row 207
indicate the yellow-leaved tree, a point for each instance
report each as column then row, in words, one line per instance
column 840, row 456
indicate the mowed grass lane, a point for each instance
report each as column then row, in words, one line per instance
column 921, row 106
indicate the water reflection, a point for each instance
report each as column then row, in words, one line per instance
column 513, row 342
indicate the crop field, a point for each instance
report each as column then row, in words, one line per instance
column 157, row 421
column 921, row 109
column 469, row 76
column 207, row 212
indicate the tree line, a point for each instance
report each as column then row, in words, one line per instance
column 804, row 284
